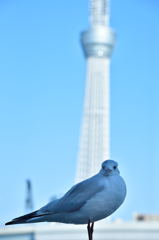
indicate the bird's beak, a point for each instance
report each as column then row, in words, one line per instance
column 107, row 172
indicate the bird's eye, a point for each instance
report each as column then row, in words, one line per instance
column 114, row 167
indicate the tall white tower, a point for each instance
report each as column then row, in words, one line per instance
column 97, row 45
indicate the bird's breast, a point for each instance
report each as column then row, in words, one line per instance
column 107, row 201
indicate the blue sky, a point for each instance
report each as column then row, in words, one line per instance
column 42, row 80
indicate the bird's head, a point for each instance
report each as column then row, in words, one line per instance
column 109, row 167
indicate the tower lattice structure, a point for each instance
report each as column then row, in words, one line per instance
column 97, row 43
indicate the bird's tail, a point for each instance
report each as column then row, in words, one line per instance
column 28, row 218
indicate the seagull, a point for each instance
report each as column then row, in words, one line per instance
column 86, row 202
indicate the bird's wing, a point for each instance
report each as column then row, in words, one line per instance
column 76, row 197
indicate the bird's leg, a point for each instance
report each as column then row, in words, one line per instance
column 90, row 230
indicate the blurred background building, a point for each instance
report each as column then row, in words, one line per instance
column 106, row 231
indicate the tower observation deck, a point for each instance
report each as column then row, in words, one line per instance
column 97, row 43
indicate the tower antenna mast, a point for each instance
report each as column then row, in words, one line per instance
column 29, row 197
column 99, row 12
